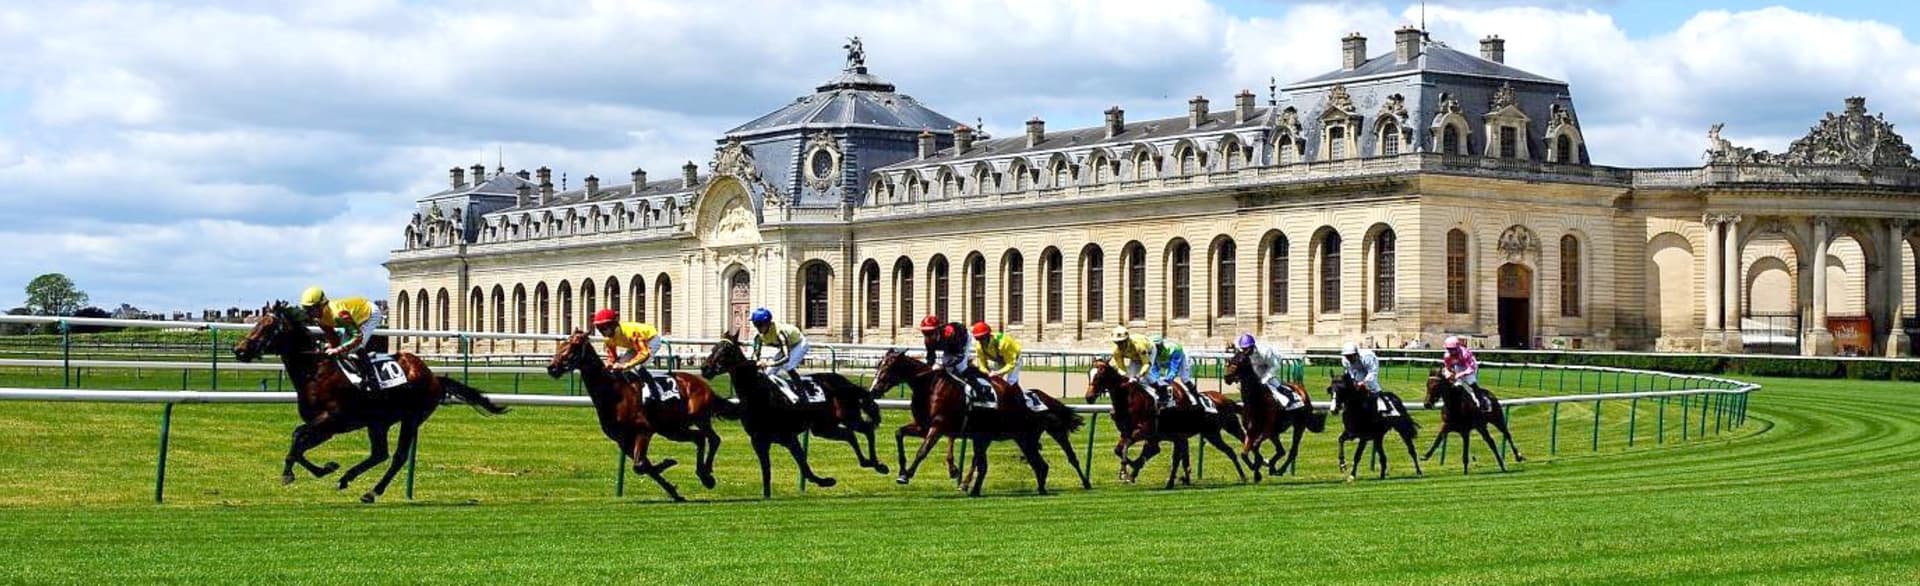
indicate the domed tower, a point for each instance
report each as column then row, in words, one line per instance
column 813, row 152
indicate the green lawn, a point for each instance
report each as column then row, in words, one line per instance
column 1817, row 487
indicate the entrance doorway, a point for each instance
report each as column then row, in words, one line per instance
column 740, row 301
column 1516, row 306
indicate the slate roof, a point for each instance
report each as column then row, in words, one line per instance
column 674, row 186
column 853, row 99
column 1146, row 130
column 1434, row 57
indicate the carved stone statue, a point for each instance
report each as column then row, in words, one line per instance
column 1518, row 242
column 1721, row 150
column 856, row 55
column 1503, row 98
column 1851, row 138
column 1338, row 100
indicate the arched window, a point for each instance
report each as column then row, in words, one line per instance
column 566, row 307
column 1224, row 267
column 520, row 309
column 1384, row 262
column 1180, row 262
column 1284, row 153
column 637, row 294
column 1143, row 166
column 983, row 180
column 1062, row 174
column 1056, row 279
column 1336, row 143
column 589, row 302
column 1563, row 149
column 1509, row 142
column 1095, row 260
column 1231, row 156
column 1189, row 161
column 870, row 287
column 1022, row 177
column 663, row 292
column 949, row 185
column 1135, row 258
column 1450, row 140
column 1277, row 267
column 477, row 310
column 937, row 274
column 1569, row 273
column 903, row 290
column 1389, row 139
column 613, row 296
column 1101, row 168
column 445, row 303
column 499, row 309
column 1330, row 273
column 542, row 309
column 1456, row 271
column 1016, row 286
column 424, row 317
column 976, row 288
column 814, row 295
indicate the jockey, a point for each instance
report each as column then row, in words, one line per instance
column 1461, row 368
column 629, row 346
column 1270, row 367
column 1364, row 368
column 999, row 354
column 1132, row 353
column 355, row 315
column 789, row 343
column 950, row 350
column 1168, row 363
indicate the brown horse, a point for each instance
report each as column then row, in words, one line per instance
column 1140, row 420
column 631, row 421
column 1461, row 414
column 770, row 419
column 330, row 405
column 1266, row 417
column 941, row 410
column 1362, row 421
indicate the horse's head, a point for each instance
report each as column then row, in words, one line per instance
column 1341, row 387
column 1236, row 364
column 573, row 352
column 1436, row 383
column 1104, row 378
column 895, row 367
column 270, row 334
column 725, row 356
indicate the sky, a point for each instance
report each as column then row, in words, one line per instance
column 215, row 154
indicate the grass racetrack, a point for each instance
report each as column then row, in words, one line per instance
column 1818, row 486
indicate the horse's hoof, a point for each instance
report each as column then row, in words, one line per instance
column 327, row 469
column 881, row 468
column 286, row 479
column 706, row 480
column 678, row 498
column 367, row 499
column 900, row 480
column 825, row 482
column 342, row 485
column 1350, row 479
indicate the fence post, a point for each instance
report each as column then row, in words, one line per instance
column 213, row 341
column 620, row 475
column 1719, row 407
column 1685, row 413
column 1596, row 426
column 1091, row 428
column 1633, row 419
column 1553, row 443
column 160, row 468
column 1661, row 422
column 66, row 355
column 466, row 357
column 1703, row 417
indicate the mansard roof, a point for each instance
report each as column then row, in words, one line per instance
column 1435, row 57
column 501, row 183
column 671, row 187
column 854, row 99
column 1147, row 130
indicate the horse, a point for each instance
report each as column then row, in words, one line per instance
column 1462, row 414
column 1265, row 418
column 1363, row 421
column 1139, row 420
column 330, row 404
column 771, row 420
column 631, row 421
column 941, row 410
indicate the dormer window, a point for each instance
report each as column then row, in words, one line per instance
column 1336, row 143
column 1450, row 140
column 1509, row 141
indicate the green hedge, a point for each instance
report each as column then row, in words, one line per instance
column 1867, row 369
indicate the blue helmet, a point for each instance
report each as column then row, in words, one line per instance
column 1245, row 341
column 762, row 316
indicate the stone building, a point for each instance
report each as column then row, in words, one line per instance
column 1409, row 195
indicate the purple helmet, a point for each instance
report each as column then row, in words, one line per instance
column 1245, row 341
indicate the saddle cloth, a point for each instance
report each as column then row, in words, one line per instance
column 1034, row 403
column 668, row 387
column 386, row 370
column 810, row 393
column 1285, row 398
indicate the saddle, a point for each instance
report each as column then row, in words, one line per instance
column 387, row 374
column 1193, row 399
column 808, row 395
column 1285, row 398
column 980, row 393
column 662, row 387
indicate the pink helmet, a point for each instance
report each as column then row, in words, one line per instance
column 1452, row 343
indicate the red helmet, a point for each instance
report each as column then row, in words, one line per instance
column 981, row 329
column 605, row 316
column 930, row 323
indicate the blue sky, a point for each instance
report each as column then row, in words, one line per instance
column 226, row 153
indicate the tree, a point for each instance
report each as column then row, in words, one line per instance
column 16, row 329
column 54, row 294
column 91, row 311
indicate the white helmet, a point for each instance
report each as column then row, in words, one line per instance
column 1350, row 349
column 1451, row 342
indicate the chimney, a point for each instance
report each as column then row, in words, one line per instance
column 1353, row 51
column 522, row 174
column 593, row 186
column 1493, row 48
column 962, row 138
column 1036, row 131
column 459, row 177
column 1242, row 106
column 689, row 175
column 524, row 194
column 927, row 143
column 546, row 184
column 1116, row 121
column 639, row 179
column 1197, row 112
column 479, row 175
column 1406, row 44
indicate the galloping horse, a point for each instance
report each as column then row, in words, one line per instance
column 941, row 410
column 1363, row 421
column 1462, row 414
column 631, row 422
column 1266, row 418
column 770, row 420
column 330, row 404
column 1138, row 420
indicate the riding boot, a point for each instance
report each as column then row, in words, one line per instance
column 1480, row 396
column 369, row 380
column 647, row 382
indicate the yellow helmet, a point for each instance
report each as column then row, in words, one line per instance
column 1120, row 334
column 313, row 297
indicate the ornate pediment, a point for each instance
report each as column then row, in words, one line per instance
column 822, row 162
column 1503, row 98
column 1449, row 104
column 1339, row 104
column 1850, row 138
column 1559, row 118
column 1395, row 108
column 1518, row 242
column 1290, row 120
column 735, row 159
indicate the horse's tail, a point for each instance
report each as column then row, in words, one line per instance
column 1063, row 416
column 726, row 408
column 459, row 392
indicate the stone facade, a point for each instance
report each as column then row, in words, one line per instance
column 1413, row 195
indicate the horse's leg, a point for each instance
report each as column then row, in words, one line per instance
column 1406, row 436
column 377, row 453
column 645, row 467
column 1466, row 452
column 403, row 451
column 1148, row 449
column 1380, row 453
column 1498, row 456
column 1439, row 439
column 1030, row 445
column 900, row 445
column 760, row 445
column 1359, row 445
column 1127, row 466
column 1342, row 452
column 1065, row 439
column 704, row 469
column 1250, row 453
column 953, row 469
column 800, row 460
column 853, row 441
column 1293, row 452
column 1501, row 421
column 873, row 451
column 1186, row 460
column 979, row 472
column 1220, row 443
column 1179, row 458
column 927, row 443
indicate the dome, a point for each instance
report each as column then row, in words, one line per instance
column 854, row 99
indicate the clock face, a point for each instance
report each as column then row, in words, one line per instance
column 821, row 164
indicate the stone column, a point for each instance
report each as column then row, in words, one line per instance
column 1730, row 302
column 1819, row 341
column 1715, row 317
column 1897, row 339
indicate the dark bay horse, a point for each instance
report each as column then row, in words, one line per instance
column 330, row 405
column 1461, row 414
column 1363, row 421
column 941, row 410
column 627, row 418
column 1139, row 420
column 770, row 419
column 1265, row 417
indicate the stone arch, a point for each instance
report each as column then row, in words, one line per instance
column 1019, row 175
column 1326, row 250
column 1381, row 249
column 985, row 181
column 1670, row 304
column 1143, row 162
column 1233, row 153
column 880, row 189
column 1177, row 266
column 1060, row 171
column 1099, row 167
column 1276, row 268
column 816, row 293
column 1189, row 158
column 1848, row 257
column 948, row 184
